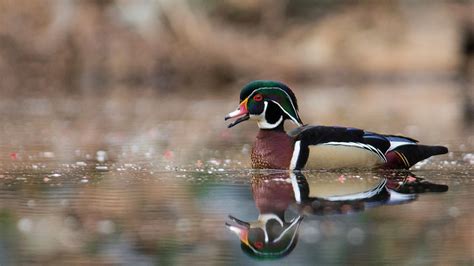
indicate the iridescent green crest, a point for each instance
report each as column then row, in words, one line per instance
column 281, row 98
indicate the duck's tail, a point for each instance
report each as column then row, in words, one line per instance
column 408, row 155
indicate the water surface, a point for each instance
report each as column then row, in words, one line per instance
column 105, row 182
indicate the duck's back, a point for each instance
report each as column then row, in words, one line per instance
column 340, row 147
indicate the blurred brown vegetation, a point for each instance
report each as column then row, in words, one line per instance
column 76, row 73
column 91, row 46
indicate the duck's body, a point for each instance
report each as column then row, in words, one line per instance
column 315, row 147
column 321, row 147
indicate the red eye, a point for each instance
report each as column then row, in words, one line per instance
column 258, row 97
column 258, row 245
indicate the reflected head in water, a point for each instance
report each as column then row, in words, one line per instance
column 268, row 237
column 325, row 193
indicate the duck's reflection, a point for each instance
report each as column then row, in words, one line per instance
column 274, row 234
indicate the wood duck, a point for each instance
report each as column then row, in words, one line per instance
column 270, row 103
column 273, row 236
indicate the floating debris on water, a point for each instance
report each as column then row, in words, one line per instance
column 214, row 162
column 199, row 163
column 469, row 158
column 168, row 155
column 102, row 168
column 101, row 156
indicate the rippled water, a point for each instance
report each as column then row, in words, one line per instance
column 90, row 211
column 81, row 189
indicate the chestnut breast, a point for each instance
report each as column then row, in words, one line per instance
column 272, row 192
column 272, row 150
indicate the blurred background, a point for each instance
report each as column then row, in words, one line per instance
column 80, row 47
column 109, row 63
column 105, row 104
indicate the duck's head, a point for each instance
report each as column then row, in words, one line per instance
column 268, row 102
column 268, row 237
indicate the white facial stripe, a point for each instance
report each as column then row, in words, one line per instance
column 276, row 88
column 262, row 122
column 294, row 223
column 292, row 118
column 264, row 217
column 287, row 229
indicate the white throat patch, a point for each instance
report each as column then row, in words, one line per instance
column 262, row 122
